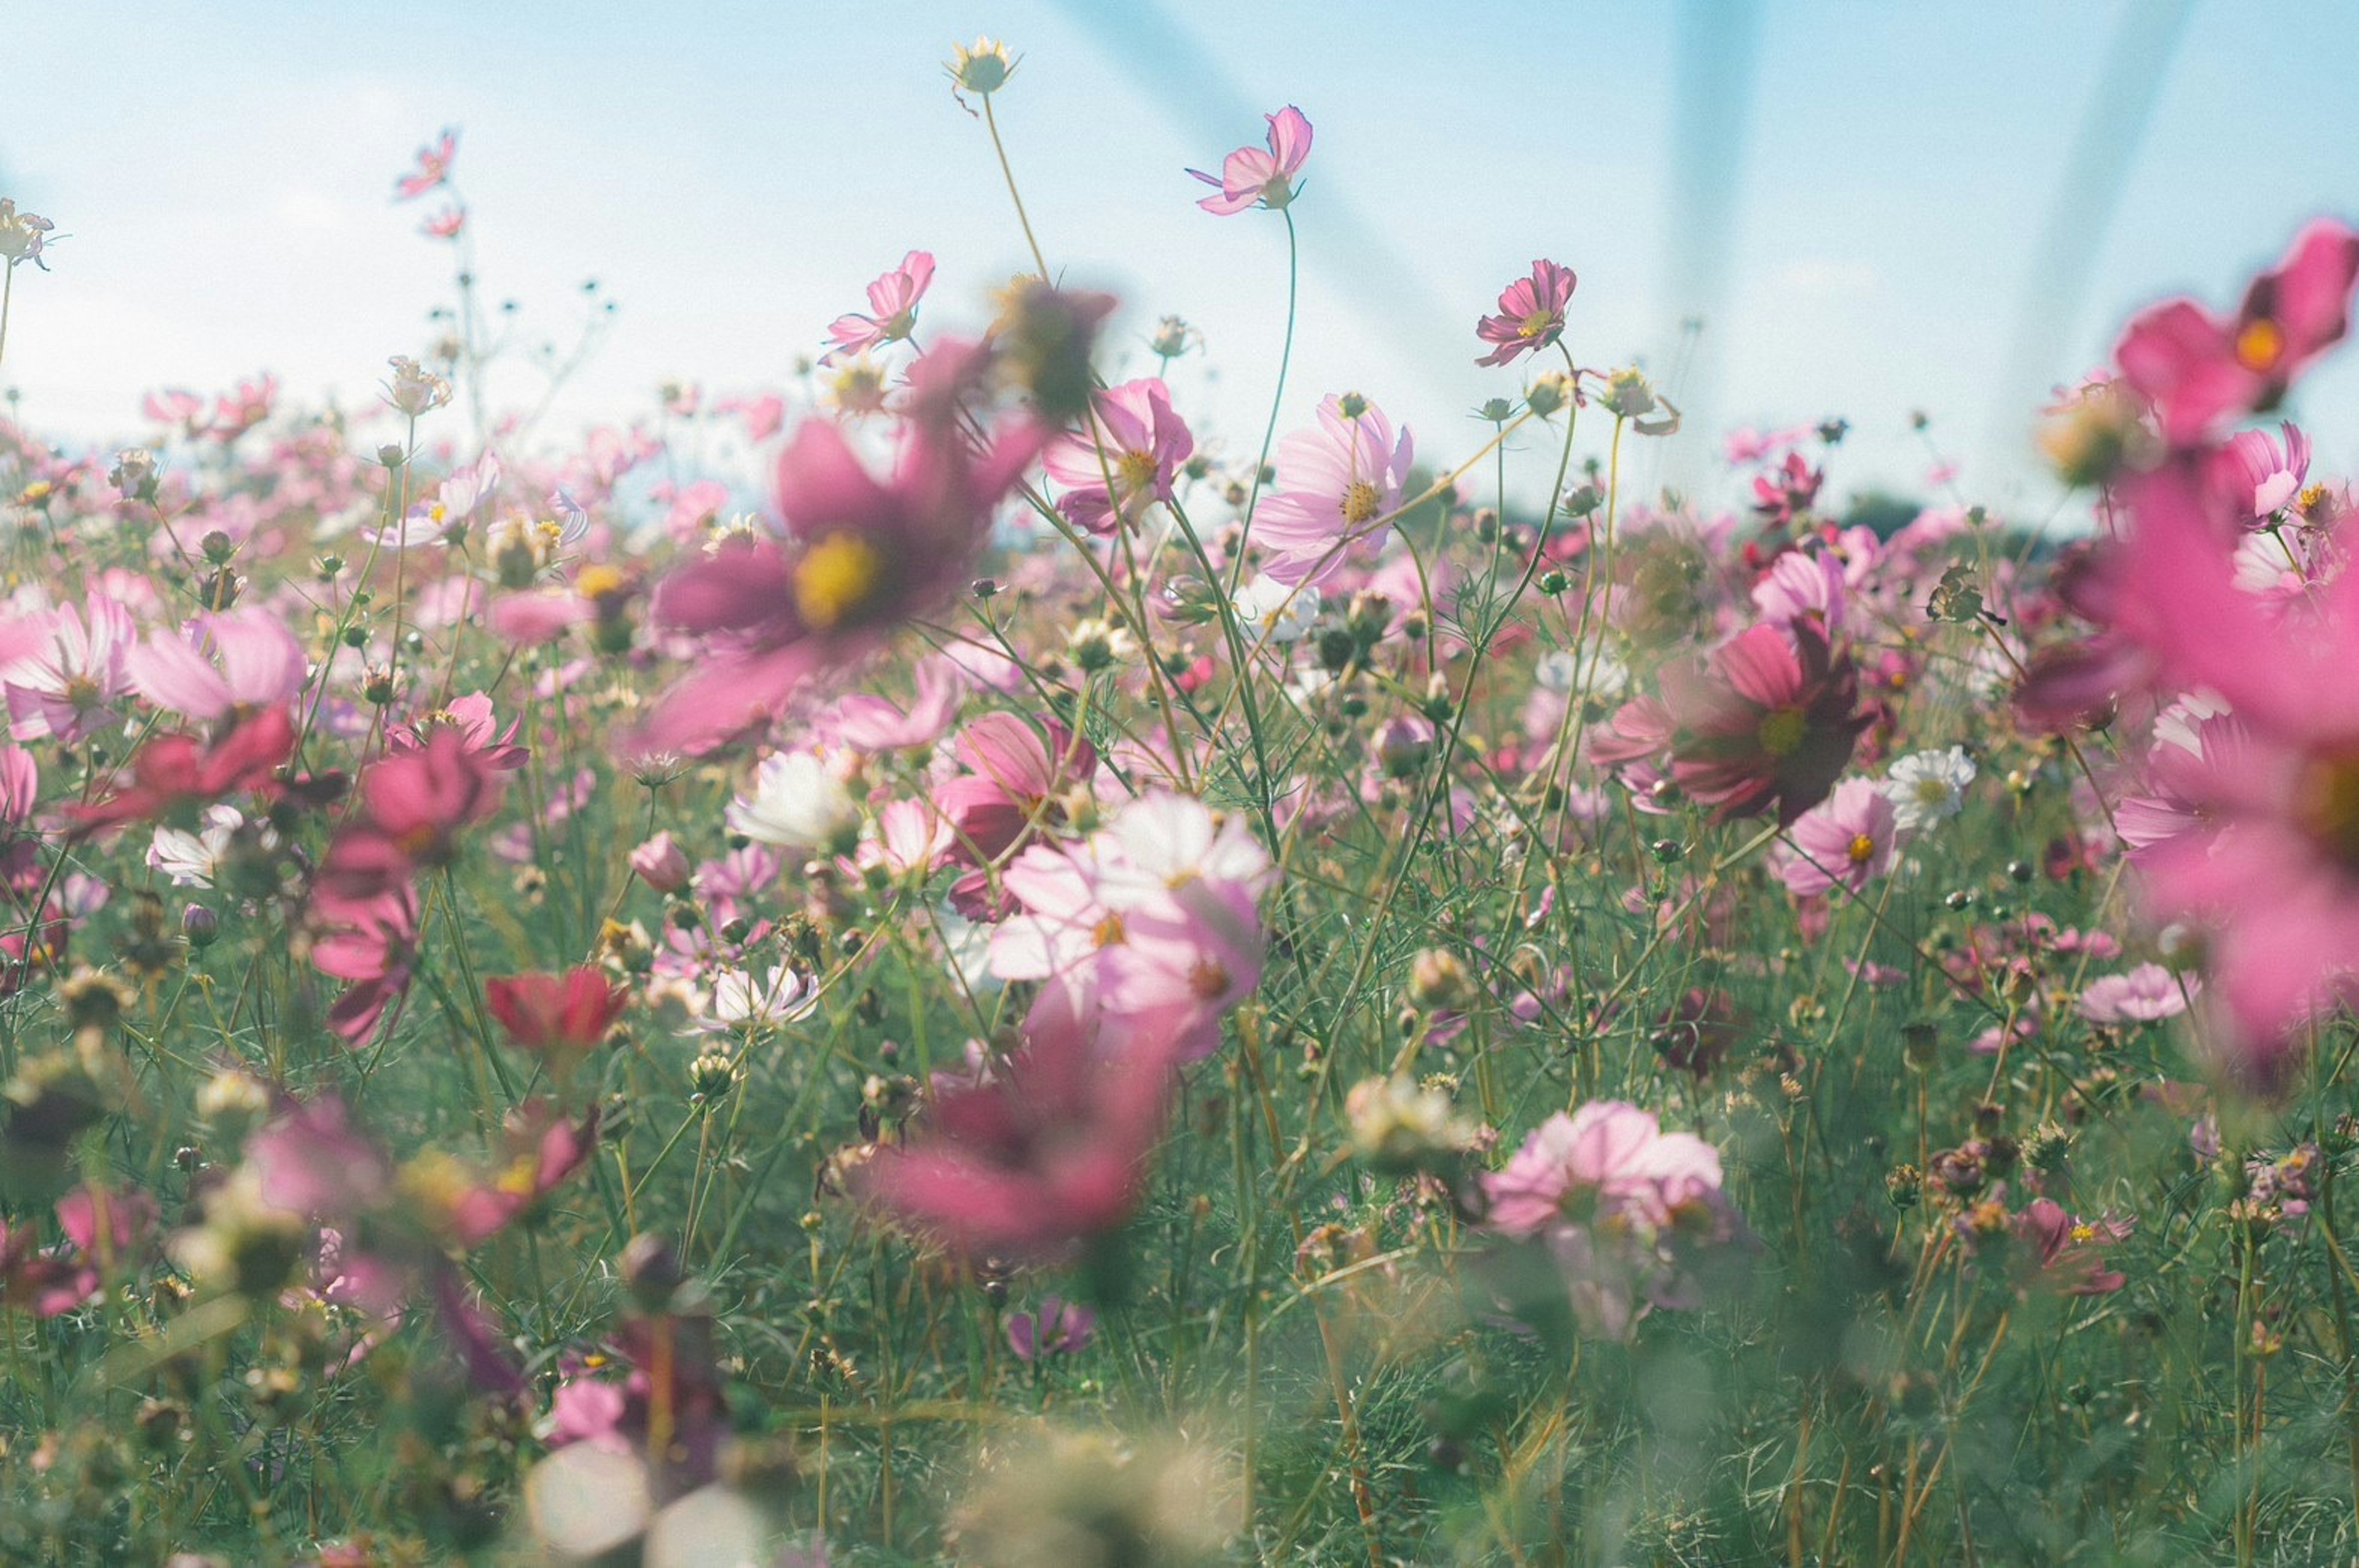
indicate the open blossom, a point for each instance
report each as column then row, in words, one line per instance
column 1050, row 1150
column 1531, row 314
column 1341, row 483
column 797, row 800
column 1767, row 719
column 433, row 167
column 2147, row 994
column 1845, row 841
column 65, row 669
column 860, row 555
column 1252, row 178
column 560, row 1015
column 171, row 774
column 2199, row 370
column 1139, row 443
column 893, row 306
column 1158, row 914
column 242, row 659
column 2264, row 478
column 1927, row 788
column 1621, row 1207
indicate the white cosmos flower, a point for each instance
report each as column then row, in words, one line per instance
column 1929, row 787
column 797, row 801
column 742, row 999
column 1282, row 612
column 192, row 859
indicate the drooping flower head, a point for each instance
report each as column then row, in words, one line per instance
column 1253, row 177
column 1531, row 313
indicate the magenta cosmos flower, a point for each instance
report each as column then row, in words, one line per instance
column 1531, row 313
column 1051, row 1150
column 1252, row 178
column 860, row 555
column 1343, row 484
column 1139, row 444
column 2198, row 369
column 893, row 306
column 1767, row 719
column 1846, row 841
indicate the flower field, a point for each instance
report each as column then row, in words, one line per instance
column 943, row 961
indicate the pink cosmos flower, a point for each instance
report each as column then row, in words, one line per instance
column 566, row 1015
column 1846, row 841
column 1785, row 492
column 867, row 723
column 1157, row 915
column 242, row 659
column 1141, row 444
column 172, row 774
column 1342, row 485
column 893, row 301
column 1252, row 178
column 2067, row 1255
column 2147, row 994
column 433, row 167
column 1621, row 1206
column 1051, row 1151
column 1804, row 585
column 1011, row 774
column 2264, row 478
column 1768, row 719
column 2199, row 370
column 860, row 555
column 1531, row 313
column 661, row 863
column 65, row 686
column 445, row 224
column 764, row 414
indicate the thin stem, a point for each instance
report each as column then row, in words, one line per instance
column 1277, row 398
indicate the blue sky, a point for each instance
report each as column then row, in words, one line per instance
column 734, row 172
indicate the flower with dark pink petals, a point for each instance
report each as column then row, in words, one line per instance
column 1531, row 314
column 1252, row 178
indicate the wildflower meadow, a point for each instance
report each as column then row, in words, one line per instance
column 948, row 959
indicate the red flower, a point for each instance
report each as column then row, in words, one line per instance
column 565, row 1015
column 1762, row 722
column 173, row 772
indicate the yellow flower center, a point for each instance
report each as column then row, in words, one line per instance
column 1360, row 502
column 1135, row 472
column 1108, row 933
column 1783, row 730
column 597, row 581
column 1536, row 324
column 836, row 580
column 1860, row 848
column 2259, row 344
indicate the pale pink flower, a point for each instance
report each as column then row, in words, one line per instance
column 893, row 306
column 433, row 167
column 1846, row 841
column 1139, row 446
column 1252, row 178
column 2147, row 994
column 1341, row 486
column 67, row 687
column 217, row 665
